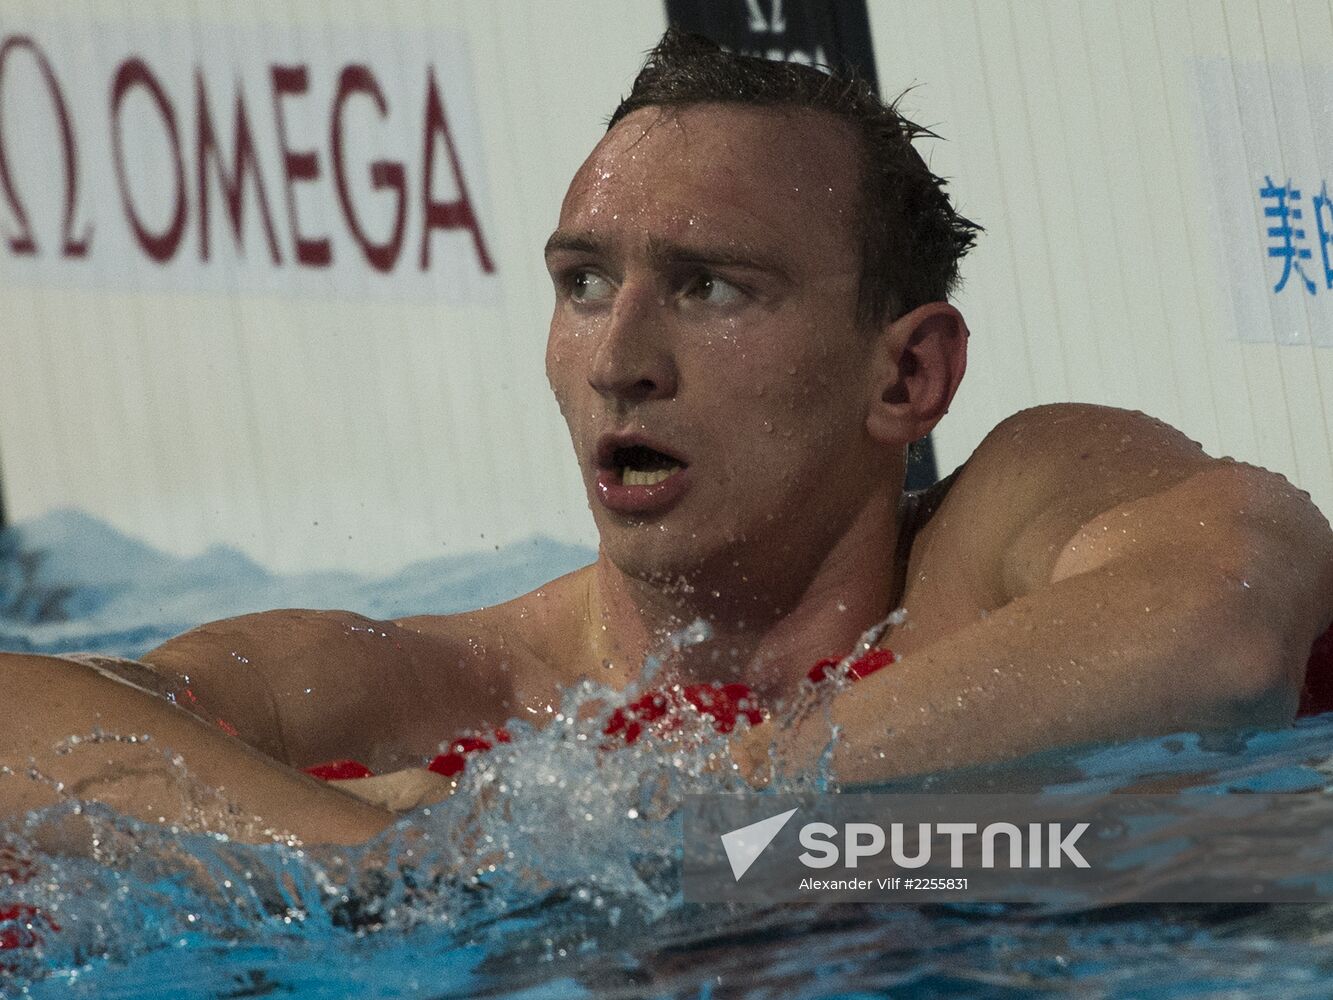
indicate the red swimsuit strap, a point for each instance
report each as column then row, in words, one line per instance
column 21, row 925
column 863, row 666
column 725, row 704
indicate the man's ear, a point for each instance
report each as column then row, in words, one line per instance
column 918, row 361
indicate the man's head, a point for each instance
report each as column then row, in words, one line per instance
column 734, row 413
column 911, row 238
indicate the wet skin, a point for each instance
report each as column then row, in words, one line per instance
column 705, row 274
column 705, row 277
column 1090, row 574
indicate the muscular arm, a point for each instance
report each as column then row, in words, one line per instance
column 310, row 686
column 246, row 702
column 53, row 698
column 1141, row 587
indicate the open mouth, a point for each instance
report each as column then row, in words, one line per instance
column 637, row 478
column 639, row 465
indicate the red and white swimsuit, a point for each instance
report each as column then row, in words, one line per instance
column 725, row 704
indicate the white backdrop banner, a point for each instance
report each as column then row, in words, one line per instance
column 1270, row 152
column 202, row 156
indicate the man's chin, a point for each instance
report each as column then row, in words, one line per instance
column 653, row 556
column 687, row 563
column 636, row 563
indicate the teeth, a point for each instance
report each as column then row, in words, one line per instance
column 633, row 477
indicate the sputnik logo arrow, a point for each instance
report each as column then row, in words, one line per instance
column 745, row 844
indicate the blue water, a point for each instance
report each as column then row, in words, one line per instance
column 553, row 875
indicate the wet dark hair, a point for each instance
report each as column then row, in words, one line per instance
column 911, row 236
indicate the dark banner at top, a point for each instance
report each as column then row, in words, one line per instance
column 831, row 33
column 834, row 33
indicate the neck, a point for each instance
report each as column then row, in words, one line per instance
column 765, row 635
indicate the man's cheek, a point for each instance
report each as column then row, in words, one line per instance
column 560, row 401
column 558, row 381
column 558, row 360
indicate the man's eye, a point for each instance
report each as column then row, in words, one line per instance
column 713, row 290
column 588, row 286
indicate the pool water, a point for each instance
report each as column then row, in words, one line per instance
column 554, row 873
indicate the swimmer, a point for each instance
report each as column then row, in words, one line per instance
column 751, row 324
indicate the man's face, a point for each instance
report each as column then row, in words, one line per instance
column 704, row 347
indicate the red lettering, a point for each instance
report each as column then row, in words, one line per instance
column 133, row 72
column 233, row 182
column 24, row 243
column 297, row 165
column 446, row 214
column 383, row 173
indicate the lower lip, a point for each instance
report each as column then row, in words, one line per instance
column 616, row 496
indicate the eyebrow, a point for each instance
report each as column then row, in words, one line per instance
column 664, row 251
column 562, row 239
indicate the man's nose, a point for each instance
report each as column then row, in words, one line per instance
column 634, row 360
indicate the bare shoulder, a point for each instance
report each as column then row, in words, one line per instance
column 1044, row 473
column 1083, row 447
column 534, row 637
column 270, row 642
column 306, row 685
column 1048, row 482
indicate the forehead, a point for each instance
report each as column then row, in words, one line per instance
column 717, row 173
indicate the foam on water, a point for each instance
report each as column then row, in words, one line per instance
column 554, row 869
